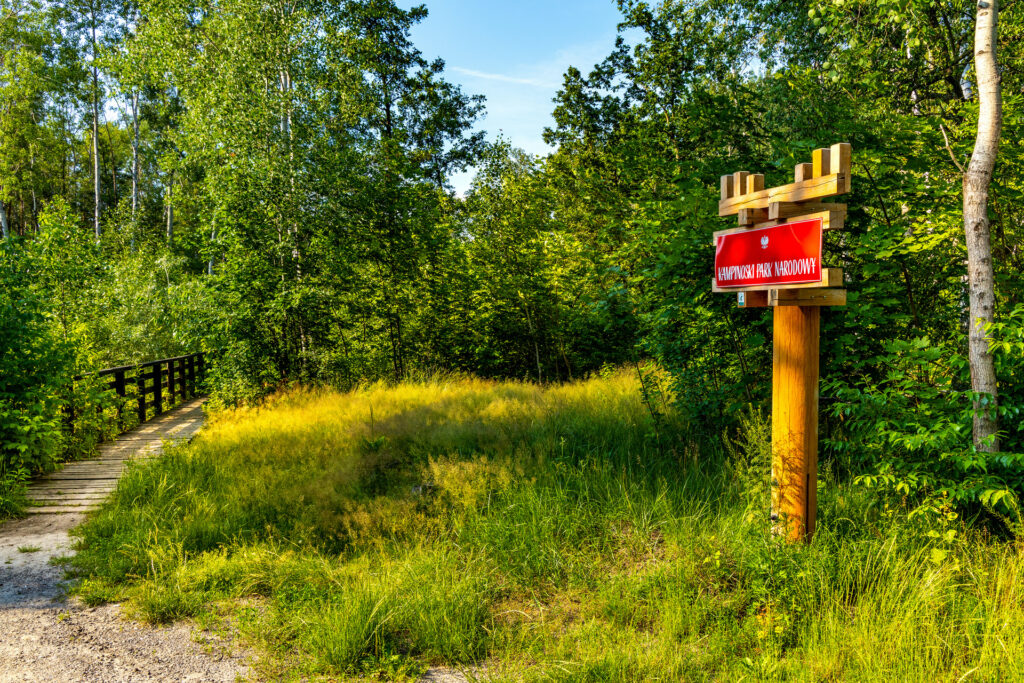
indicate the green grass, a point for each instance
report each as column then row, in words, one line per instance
column 29, row 549
column 538, row 534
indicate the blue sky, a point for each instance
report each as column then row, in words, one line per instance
column 514, row 53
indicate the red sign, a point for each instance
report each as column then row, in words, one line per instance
column 787, row 254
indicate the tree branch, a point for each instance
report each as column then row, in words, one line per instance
column 942, row 127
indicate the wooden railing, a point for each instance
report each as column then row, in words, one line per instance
column 147, row 390
column 167, row 381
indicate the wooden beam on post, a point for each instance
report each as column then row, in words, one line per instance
column 727, row 189
column 739, row 183
column 752, row 299
column 820, row 162
column 806, row 297
column 748, row 217
column 802, row 191
column 830, row 277
column 841, row 162
column 784, row 210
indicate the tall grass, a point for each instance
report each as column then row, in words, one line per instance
column 537, row 533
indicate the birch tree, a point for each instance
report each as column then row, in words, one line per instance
column 977, row 179
column 93, row 22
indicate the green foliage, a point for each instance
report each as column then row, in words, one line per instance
column 911, row 431
column 53, row 406
column 308, row 229
column 34, row 365
column 644, row 138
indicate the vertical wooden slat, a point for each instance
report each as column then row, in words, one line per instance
column 158, row 391
column 803, row 172
column 795, row 420
column 755, row 182
column 192, row 375
column 841, row 161
column 121, row 391
column 820, row 162
column 140, row 387
column 727, row 189
column 183, row 378
column 172, row 389
column 739, row 182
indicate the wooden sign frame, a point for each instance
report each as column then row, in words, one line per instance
column 796, row 321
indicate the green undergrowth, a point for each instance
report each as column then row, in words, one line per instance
column 527, row 533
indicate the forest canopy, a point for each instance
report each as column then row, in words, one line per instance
column 273, row 181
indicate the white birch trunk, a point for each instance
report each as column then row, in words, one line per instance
column 170, row 210
column 135, row 153
column 980, row 272
column 209, row 264
column 3, row 222
column 95, row 133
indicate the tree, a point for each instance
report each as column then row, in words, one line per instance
column 25, row 32
column 88, row 20
column 980, row 270
column 414, row 131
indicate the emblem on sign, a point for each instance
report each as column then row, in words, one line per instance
column 764, row 242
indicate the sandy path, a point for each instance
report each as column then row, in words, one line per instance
column 44, row 637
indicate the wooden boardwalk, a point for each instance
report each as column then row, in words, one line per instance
column 81, row 486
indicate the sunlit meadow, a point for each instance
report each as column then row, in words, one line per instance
column 522, row 532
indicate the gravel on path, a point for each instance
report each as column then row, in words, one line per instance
column 46, row 637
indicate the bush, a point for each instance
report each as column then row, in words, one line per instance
column 909, row 436
column 35, row 364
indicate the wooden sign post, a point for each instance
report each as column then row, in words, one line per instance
column 774, row 259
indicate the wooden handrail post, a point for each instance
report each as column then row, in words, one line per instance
column 119, row 389
column 171, row 387
column 140, row 386
column 192, row 375
column 158, row 393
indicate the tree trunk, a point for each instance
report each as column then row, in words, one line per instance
column 980, row 274
column 170, row 211
column 3, row 222
column 95, row 133
column 135, row 153
column 35, row 204
column 113, row 163
column 209, row 264
column 536, row 347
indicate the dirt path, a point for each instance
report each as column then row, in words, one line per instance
column 43, row 636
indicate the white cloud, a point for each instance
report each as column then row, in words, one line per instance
column 504, row 79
